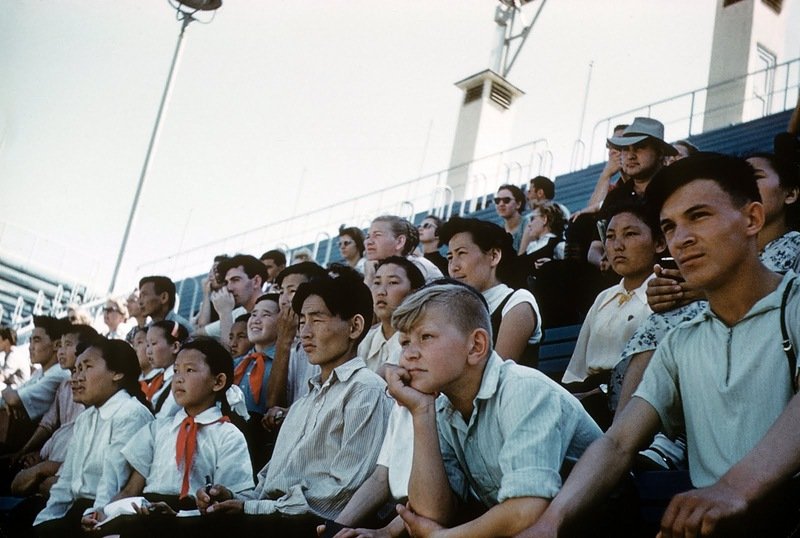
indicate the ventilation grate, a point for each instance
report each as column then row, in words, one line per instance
column 473, row 94
column 501, row 96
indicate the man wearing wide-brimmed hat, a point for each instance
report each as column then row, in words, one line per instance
column 643, row 149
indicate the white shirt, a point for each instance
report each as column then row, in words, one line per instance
column 376, row 350
column 38, row 393
column 495, row 295
column 300, row 371
column 15, row 370
column 610, row 323
column 94, row 467
column 221, row 454
column 397, row 451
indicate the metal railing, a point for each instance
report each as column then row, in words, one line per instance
column 672, row 112
column 428, row 193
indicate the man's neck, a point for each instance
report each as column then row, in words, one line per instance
column 428, row 248
column 640, row 185
column 159, row 316
column 50, row 363
column 749, row 284
column 771, row 231
column 327, row 368
column 513, row 222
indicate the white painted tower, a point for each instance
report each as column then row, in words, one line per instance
column 749, row 36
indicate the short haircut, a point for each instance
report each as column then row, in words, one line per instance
column 413, row 273
column 344, row 296
column 161, row 284
column 274, row 297
column 251, row 266
column 401, row 227
column 218, row 358
column 788, row 174
column 620, row 127
column 436, row 220
column 640, row 209
column 336, row 270
column 464, row 308
column 7, row 333
column 220, row 258
column 85, row 333
column 554, row 215
column 275, row 255
column 356, row 235
column 735, row 176
column 242, row 318
column 516, row 192
column 487, row 235
column 546, row 184
column 53, row 327
column 310, row 270
column 173, row 331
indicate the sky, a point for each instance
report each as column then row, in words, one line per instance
column 281, row 108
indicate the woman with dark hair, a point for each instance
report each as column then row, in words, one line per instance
column 106, row 381
column 509, row 203
column 481, row 255
column 351, row 247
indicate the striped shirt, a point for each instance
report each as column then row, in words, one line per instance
column 327, row 445
column 523, row 425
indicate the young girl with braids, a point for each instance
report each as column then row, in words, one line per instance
column 106, row 381
column 164, row 339
column 172, row 457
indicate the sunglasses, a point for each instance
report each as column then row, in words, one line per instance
column 426, row 225
column 345, row 243
column 505, row 199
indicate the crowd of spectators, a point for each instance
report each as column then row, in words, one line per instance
column 396, row 392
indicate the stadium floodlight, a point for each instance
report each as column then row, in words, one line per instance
column 185, row 11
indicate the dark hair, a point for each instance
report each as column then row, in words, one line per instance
column 275, row 255
column 789, row 178
column 173, row 331
column 310, row 270
column 85, row 333
column 121, row 358
column 516, row 192
column 401, row 227
column 251, row 266
column 7, row 333
column 53, row 327
column 436, row 221
column 356, row 234
column 487, row 235
column 640, row 209
column 220, row 258
column 345, row 296
column 274, row 297
column 546, row 184
column 735, row 176
column 413, row 273
column 219, row 361
column 161, row 284
column 620, row 127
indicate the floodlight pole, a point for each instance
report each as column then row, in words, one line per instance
column 186, row 18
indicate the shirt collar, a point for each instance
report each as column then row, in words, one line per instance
column 342, row 373
column 113, row 404
column 491, row 378
column 210, row 415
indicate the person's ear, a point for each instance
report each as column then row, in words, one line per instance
column 495, row 256
column 176, row 346
column 164, row 297
column 401, row 242
column 791, row 196
column 661, row 244
column 754, row 213
column 478, row 346
column 356, row 326
column 116, row 377
column 259, row 282
column 219, row 382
